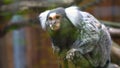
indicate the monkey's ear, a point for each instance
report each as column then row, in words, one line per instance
column 43, row 19
column 74, row 15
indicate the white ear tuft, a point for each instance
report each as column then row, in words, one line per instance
column 43, row 18
column 74, row 15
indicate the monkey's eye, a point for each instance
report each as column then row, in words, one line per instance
column 50, row 18
column 57, row 17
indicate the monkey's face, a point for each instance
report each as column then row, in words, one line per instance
column 54, row 21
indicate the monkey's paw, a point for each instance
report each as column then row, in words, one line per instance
column 73, row 54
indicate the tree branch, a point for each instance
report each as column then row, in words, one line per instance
column 111, row 24
column 17, row 25
column 115, row 53
column 22, row 5
column 114, row 32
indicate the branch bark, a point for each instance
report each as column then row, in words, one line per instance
column 116, row 50
column 22, row 5
column 111, row 24
column 17, row 25
column 115, row 53
column 115, row 32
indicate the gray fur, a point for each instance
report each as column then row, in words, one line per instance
column 93, row 40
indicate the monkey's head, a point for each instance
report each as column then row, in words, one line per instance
column 55, row 18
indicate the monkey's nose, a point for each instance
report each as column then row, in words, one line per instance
column 54, row 22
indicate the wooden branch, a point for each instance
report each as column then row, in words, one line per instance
column 22, row 5
column 116, row 50
column 112, row 65
column 114, row 32
column 111, row 24
column 115, row 53
column 17, row 25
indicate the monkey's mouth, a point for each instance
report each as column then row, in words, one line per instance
column 55, row 26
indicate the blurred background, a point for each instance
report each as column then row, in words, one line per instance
column 30, row 47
